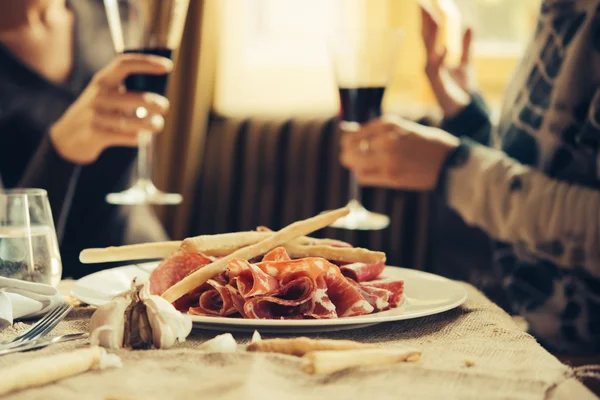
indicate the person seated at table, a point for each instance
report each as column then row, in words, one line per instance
column 65, row 123
column 537, row 192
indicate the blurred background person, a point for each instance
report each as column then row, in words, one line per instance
column 67, row 126
column 536, row 194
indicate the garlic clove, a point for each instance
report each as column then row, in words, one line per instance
column 107, row 324
column 168, row 325
column 224, row 343
column 256, row 337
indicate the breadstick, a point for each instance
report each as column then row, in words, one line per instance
column 288, row 233
column 327, row 362
column 210, row 245
column 226, row 243
column 303, row 345
column 145, row 251
column 345, row 254
column 41, row 371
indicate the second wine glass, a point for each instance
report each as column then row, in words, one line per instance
column 146, row 27
column 364, row 62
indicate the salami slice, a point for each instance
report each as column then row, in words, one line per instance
column 173, row 269
column 361, row 272
column 292, row 300
column 250, row 280
column 277, row 255
column 395, row 286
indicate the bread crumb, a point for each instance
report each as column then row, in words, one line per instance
column 469, row 363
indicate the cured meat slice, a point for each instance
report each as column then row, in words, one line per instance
column 250, row 280
column 216, row 301
column 312, row 266
column 395, row 286
column 361, row 272
column 173, row 269
column 277, row 255
column 292, row 300
column 377, row 297
column 346, row 297
column 321, row 305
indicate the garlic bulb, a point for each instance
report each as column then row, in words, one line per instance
column 138, row 320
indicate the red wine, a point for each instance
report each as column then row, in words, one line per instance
column 149, row 83
column 361, row 104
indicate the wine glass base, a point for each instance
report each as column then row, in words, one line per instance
column 362, row 219
column 144, row 193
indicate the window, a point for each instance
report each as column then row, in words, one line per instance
column 273, row 57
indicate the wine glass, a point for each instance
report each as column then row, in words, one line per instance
column 146, row 27
column 28, row 244
column 364, row 62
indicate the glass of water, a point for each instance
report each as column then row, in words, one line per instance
column 28, row 243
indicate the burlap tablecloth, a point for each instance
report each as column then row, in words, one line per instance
column 473, row 352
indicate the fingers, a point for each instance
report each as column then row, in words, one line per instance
column 429, row 28
column 127, row 125
column 128, row 64
column 466, row 47
column 129, row 102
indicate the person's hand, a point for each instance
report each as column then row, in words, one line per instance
column 452, row 86
column 104, row 115
column 396, row 153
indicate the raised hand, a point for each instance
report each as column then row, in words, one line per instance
column 452, row 85
column 106, row 115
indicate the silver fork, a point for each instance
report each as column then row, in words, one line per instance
column 41, row 328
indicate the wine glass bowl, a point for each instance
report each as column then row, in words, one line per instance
column 150, row 27
column 364, row 62
column 28, row 242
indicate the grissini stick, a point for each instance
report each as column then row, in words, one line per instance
column 41, row 371
column 327, row 362
column 344, row 254
column 290, row 232
column 301, row 345
column 210, row 245
column 144, row 251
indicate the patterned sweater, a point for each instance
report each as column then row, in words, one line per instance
column 535, row 190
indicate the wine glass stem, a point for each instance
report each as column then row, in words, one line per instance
column 145, row 152
column 354, row 189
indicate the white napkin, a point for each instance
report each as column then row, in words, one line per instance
column 20, row 299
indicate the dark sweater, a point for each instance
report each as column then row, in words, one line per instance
column 29, row 105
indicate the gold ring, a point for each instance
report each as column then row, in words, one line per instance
column 364, row 145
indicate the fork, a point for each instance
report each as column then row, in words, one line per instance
column 41, row 343
column 41, row 328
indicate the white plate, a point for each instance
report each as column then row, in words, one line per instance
column 424, row 294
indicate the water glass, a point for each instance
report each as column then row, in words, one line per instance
column 28, row 243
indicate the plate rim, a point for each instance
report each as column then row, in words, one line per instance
column 371, row 319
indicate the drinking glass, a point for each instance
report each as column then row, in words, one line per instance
column 28, row 244
column 364, row 62
column 146, row 27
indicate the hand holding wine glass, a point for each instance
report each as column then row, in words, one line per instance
column 105, row 115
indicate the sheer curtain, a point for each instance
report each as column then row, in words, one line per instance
column 180, row 148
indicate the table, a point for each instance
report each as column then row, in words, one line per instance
column 473, row 352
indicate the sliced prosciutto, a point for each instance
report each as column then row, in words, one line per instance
column 377, row 297
column 292, row 300
column 361, row 272
column 250, row 280
column 394, row 286
column 321, row 305
column 216, row 301
column 173, row 269
column 348, row 300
